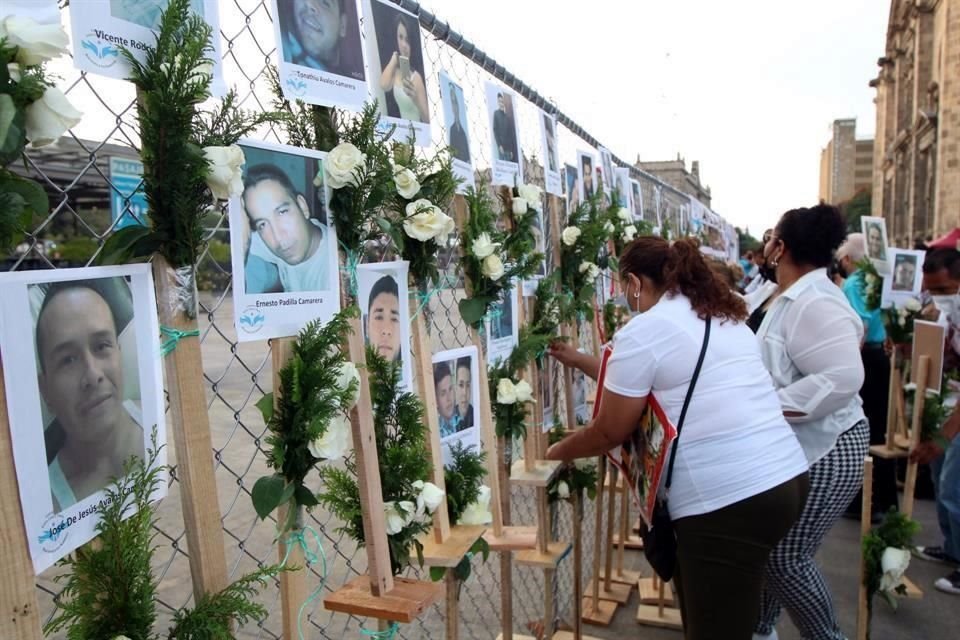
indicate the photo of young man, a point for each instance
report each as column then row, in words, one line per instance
column 505, row 129
column 321, row 34
column 446, row 398
column 464, row 392
column 457, row 138
column 586, row 173
column 382, row 293
column 457, row 386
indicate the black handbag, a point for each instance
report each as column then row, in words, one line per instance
column 659, row 539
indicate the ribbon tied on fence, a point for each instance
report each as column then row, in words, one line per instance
column 174, row 336
column 387, row 634
column 298, row 539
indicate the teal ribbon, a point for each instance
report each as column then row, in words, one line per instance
column 388, row 634
column 297, row 539
column 174, row 336
column 353, row 259
column 424, row 296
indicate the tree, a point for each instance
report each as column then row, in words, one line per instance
column 855, row 208
column 747, row 241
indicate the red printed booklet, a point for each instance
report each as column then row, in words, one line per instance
column 642, row 458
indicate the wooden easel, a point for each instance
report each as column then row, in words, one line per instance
column 446, row 545
column 661, row 613
column 18, row 595
column 378, row 594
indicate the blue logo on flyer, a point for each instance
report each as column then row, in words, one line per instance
column 251, row 320
column 101, row 53
column 297, row 87
column 55, row 532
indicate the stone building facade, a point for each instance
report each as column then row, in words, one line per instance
column 675, row 174
column 916, row 176
column 846, row 164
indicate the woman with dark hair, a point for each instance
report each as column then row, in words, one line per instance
column 763, row 292
column 401, row 74
column 739, row 479
column 810, row 342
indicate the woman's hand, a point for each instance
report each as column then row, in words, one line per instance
column 564, row 352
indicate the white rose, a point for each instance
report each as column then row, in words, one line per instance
column 563, row 490
column 583, row 463
column 120, row 638
column 341, row 165
column 406, row 181
column 226, row 176
column 519, row 206
column 624, row 214
column 335, row 442
column 608, row 226
column 629, row 233
column 13, row 70
column 396, row 519
column 532, row 194
column 35, row 42
column 483, row 246
column 523, row 391
column 478, row 513
column 585, row 266
column 425, row 221
column 570, row 235
column 49, row 117
column 912, row 305
column 506, row 391
column 910, row 386
column 870, row 278
column 429, row 498
column 492, row 267
column 894, row 563
column 594, row 272
column 346, row 374
column 203, row 72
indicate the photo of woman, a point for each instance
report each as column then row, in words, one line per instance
column 403, row 92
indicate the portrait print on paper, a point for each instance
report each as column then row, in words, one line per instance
column 551, row 154
column 88, row 395
column 906, row 278
column 623, row 186
column 395, row 55
column 606, row 166
column 502, row 119
column 98, row 29
column 636, row 201
column 283, row 247
column 456, row 136
column 580, row 409
column 384, row 312
column 502, row 327
column 320, row 52
column 572, row 181
column 587, row 169
column 875, row 237
column 539, row 236
column 456, row 379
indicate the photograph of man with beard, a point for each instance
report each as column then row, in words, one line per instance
column 288, row 249
column 382, row 326
column 464, row 391
column 446, row 399
column 93, row 426
column 322, row 35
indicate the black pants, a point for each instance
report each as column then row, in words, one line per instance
column 875, row 394
column 722, row 556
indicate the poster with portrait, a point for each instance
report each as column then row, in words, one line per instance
column 905, row 281
column 502, row 327
column 320, row 52
column 385, row 313
column 398, row 76
column 875, row 237
column 606, row 168
column 101, row 29
column 636, row 201
column 539, row 234
column 85, row 396
column 580, row 410
column 457, row 135
column 282, row 245
column 571, row 177
column 456, row 378
column 546, row 394
column 505, row 142
column 623, row 186
column 587, row 165
column 551, row 154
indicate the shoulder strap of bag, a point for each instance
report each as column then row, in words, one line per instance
column 686, row 400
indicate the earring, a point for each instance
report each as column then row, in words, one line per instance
column 636, row 295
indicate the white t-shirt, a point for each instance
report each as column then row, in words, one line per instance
column 735, row 442
column 313, row 274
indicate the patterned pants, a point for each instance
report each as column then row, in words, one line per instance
column 792, row 579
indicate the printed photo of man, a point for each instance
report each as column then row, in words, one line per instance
column 637, row 200
column 501, row 313
column 505, row 129
column 288, row 248
column 457, row 138
column 94, row 428
column 322, row 35
column 446, row 399
column 586, row 170
column 551, row 140
column 382, row 327
column 904, row 272
column 572, row 181
column 876, row 241
column 464, row 391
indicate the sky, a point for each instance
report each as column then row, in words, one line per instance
column 749, row 88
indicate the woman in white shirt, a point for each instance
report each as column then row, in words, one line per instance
column 739, row 481
column 810, row 341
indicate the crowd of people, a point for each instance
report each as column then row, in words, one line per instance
column 758, row 484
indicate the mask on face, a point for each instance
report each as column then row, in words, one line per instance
column 768, row 272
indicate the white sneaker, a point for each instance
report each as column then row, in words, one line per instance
column 771, row 636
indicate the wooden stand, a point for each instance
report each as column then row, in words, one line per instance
column 18, row 595
column 863, row 614
column 660, row 614
column 378, row 594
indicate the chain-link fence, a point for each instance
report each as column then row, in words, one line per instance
column 76, row 173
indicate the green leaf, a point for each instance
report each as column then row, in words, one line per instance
column 288, row 491
column 32, row 193
column 13, row 135
column 419, row 547
column 482, row 547
column 267, row 494
column 586, row 293
column 472, row 310
column 462, row 571
column 384, row 224
column 12, row 208
column 437, row 573
column 121, row 246
column 265, row 404
column 305, row 497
